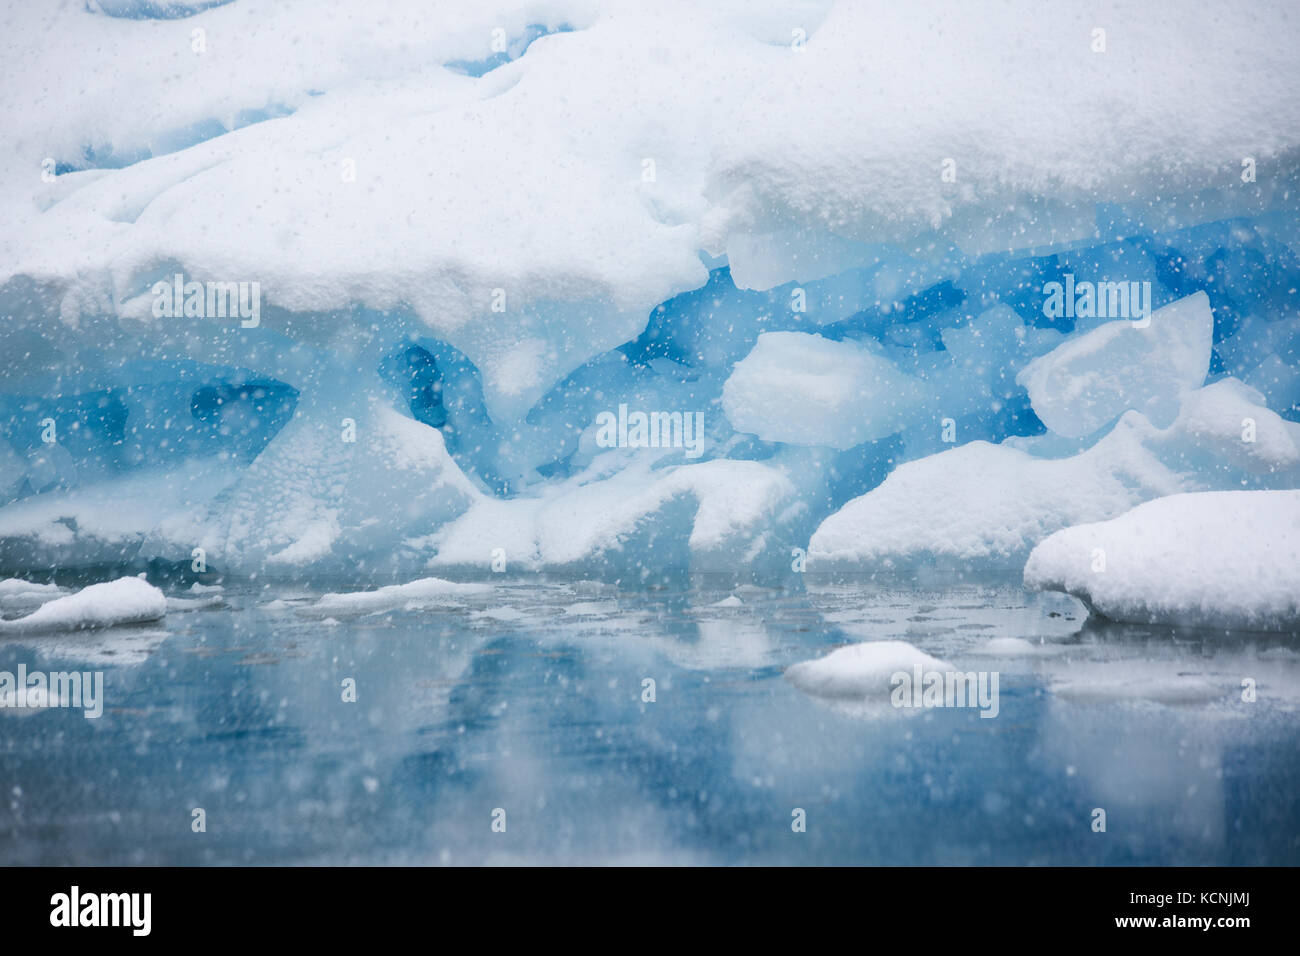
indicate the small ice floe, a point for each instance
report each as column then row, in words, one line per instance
column 426, row 592
column 732, row 601
column 198, row 588
column 1222, row 559
column 124, row 601
column 861, row 671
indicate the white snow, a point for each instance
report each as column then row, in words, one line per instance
column 1217, row 559
column 556, row 209
column 990, row 504
column 808, row 390
column 861, row 670
column 424, row 593
column 1091, row 379
column 712, row 514
column 15, row 593
column 124, row 601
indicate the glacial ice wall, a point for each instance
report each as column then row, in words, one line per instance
column 820, row 235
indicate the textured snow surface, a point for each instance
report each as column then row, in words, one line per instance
column 124, row 601
column 426, row 592
column 1218, row 559
column 544, row 193
column 861, row 670
column 990, row 504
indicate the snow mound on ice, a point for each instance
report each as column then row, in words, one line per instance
column 1216, row 559
column 426, row 592
column 1091, row 379
column 808, row 390
column 860, row 670
column 124, row 601
column 990, row 504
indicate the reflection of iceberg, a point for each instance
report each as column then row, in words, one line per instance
column 119, row 647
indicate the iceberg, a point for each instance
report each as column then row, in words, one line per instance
column 403, row 350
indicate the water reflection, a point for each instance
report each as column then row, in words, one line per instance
column 533, row 699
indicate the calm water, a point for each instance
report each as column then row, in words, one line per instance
column 529, row 699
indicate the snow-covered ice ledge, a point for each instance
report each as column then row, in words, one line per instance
column 1215, row 559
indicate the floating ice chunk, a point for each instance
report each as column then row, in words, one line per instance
column 804, row 389
column 426, row 592
column 124, row 601
column 1090, row 380
column 1214, row 559
column 861, row 670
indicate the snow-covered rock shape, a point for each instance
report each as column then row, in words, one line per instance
column 804, row 389
column 1091, row 379
column 1227, row 559
column 124, row 601
column 988, row 505
column 861, row 671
